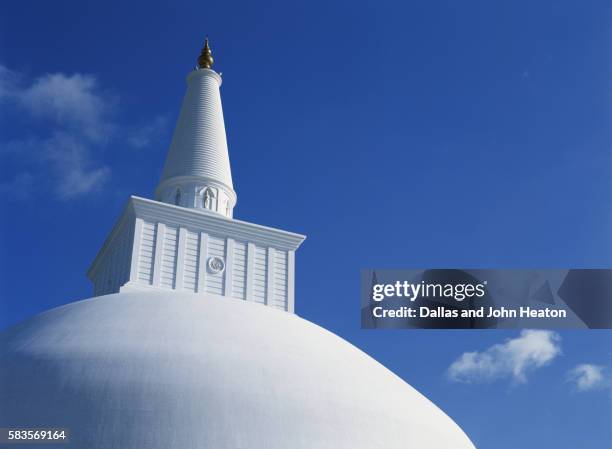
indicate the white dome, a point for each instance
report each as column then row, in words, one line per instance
column 161, row 370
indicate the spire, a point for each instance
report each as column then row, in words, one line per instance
column 186, row 240
column 205, row 60
column 197, row 171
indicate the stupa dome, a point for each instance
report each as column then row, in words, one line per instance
column 161, row 370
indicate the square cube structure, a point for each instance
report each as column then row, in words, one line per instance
column 162, row 246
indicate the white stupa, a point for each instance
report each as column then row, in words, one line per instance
column 191, row 340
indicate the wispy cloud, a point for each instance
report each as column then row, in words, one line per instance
column 512, row 359
column 587, row 377
column 74, row 102
column 72, row 122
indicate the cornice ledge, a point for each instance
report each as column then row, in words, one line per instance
column 215, row 223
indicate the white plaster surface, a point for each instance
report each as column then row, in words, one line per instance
column 199, row 145
column 197, row 163
column 161, row 370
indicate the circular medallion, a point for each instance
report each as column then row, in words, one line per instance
column 216, row 265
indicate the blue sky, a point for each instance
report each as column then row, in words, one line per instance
column 393, row 134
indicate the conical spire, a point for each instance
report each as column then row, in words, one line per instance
column 197, row 171
column 205, row 60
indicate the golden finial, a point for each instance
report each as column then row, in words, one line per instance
column 205, row 61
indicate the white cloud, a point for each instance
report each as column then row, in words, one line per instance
column 73, row 121
column 512, row 359
column 70, row 156
column 75, row 102
column 587, row 377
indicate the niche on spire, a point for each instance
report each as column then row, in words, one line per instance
column 209, row 197
column 178, row 197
